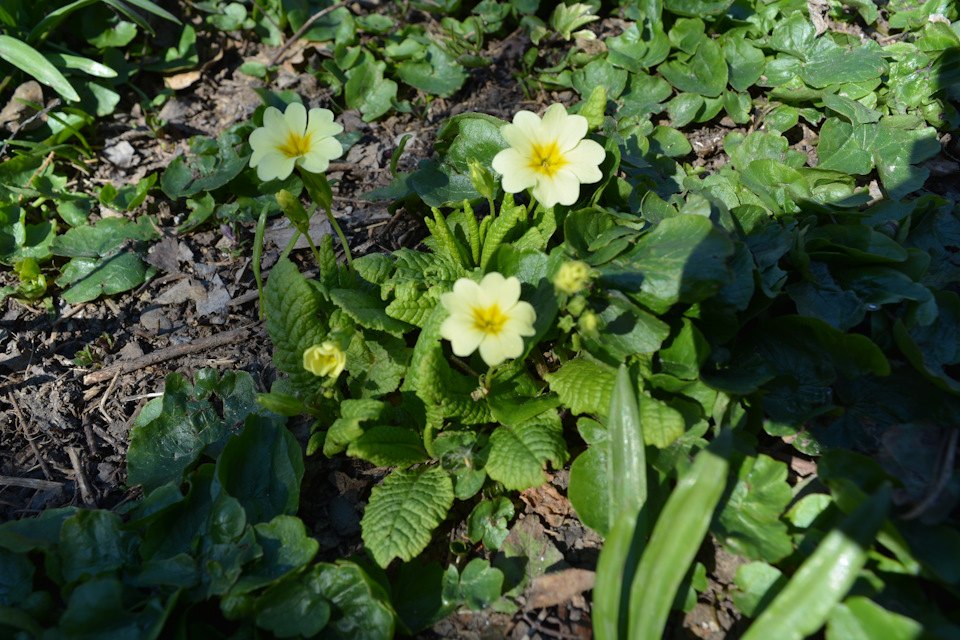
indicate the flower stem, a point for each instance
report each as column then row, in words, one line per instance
column 343, row 241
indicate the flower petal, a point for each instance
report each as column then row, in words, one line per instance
column 563, row 188
column 275, row 165
column 464, row 337
column 321, row 125
column 274, row 122
column 517, row 138
column 522, row 318
column 516, row 171
column 496, row 349
column 296, row 117
column 584, row 162
column 526, row 124
column 504, row 291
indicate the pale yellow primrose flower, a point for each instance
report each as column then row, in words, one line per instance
column 326, row 359
column 572, row 277
column 489, row 316
column 549, row 156
column 294, row 138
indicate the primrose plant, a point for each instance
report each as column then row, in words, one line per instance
column 418, row 360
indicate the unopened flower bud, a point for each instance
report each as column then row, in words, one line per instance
column 482, row 179
column 326, row 359
column 589, row 324
column 293, row 208
column 572, row 277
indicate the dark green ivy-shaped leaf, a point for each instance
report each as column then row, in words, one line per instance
column 749, row 523
column 437, row 73
column 705, row 73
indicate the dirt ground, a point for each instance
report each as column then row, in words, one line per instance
column 65, row 427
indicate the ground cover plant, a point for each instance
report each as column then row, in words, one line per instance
column 672, row 348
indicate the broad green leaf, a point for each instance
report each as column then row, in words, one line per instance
column 745, row 62
column 779, row 186
column 669, row 142
column 92, row 544
column 821, row 297
column 417, row 595
column 103, row 239
column 855, row 112
column 22, row 56
column 583, row 385
column 162, row 447
column 96, row 610
column 757, row 584
column 478, row 586
column 389, row 446
column 360, row 608
column 16, row 576
column 293, row 608
column 367, row 90
column 519, row 452
column 347, row 427
column 706, row 73
column 837, row 65
column 859, row 618
column 589, row 489
column 262, row 468
column 292, row 307
column 286, row 548
column 845, row 147
column 683, row 259
column 488, row 522
column 749, row 523
column 436, row 73
column 404, row 511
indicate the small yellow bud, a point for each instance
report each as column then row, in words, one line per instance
column 572, row 277
column 326, row 359
column 482, row 179
column 589, row 324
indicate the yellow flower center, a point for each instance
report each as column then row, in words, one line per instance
column 296, row 145
column 489, row 320
column 547, row 159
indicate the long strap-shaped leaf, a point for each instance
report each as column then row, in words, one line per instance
column 25, row 57
column 627, row 474
column 676, row 537
column 825, row 578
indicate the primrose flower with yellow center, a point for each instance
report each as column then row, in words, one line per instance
column 489, row 316
column 572, row 277
column 549, row 156
column 326, row 359
column 293, row 138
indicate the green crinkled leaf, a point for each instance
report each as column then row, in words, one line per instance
column 375, row 268
column 387, row 446
column 662, row 424
column 520, row 452
column 292, row 308
column 263, row 444
column 377, row 364
column 368, row 311
column 404, row 511
column 583, row 385
column 750, row 523
column 449, row 391
column 414, row 312
column 347, row 427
